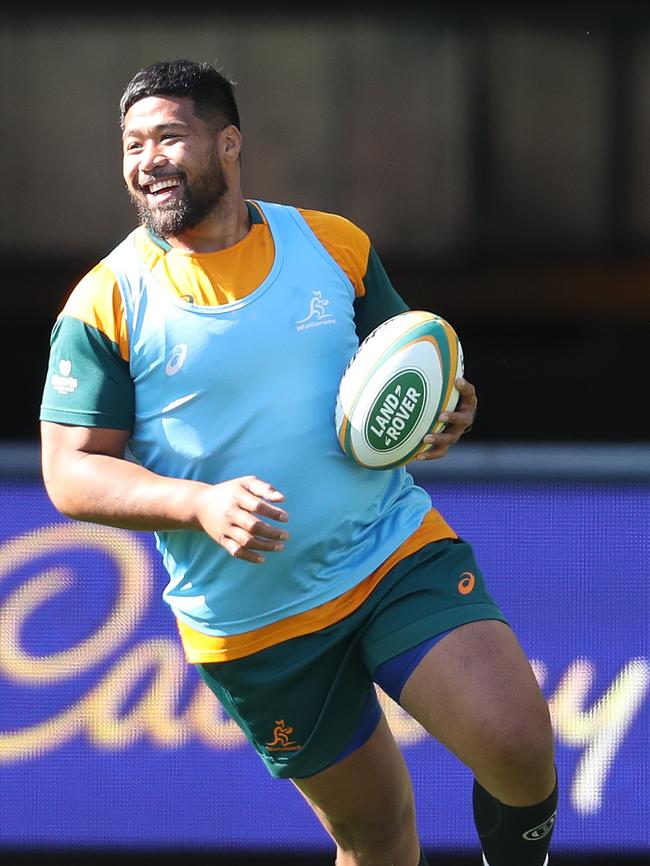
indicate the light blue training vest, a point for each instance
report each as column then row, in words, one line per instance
column 249, row 388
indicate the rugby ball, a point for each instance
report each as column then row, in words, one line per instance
column 395, row 386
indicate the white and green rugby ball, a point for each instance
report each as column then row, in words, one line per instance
column 395, row 386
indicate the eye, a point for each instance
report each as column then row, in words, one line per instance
column 131, row 146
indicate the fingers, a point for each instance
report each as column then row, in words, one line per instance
column 439, row 443
column 255, row 505
column 462, row 418
column 465, row 410
column 261, row 488
column 257, row 528
column 455, row 423
column 235, row 518
column 466, row 389
column 258, row 503
column 434, row 448
column 242, row 545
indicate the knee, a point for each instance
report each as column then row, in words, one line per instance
column 370, row 835
column 521, row 751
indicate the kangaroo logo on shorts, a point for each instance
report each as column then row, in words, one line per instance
column 282, row 741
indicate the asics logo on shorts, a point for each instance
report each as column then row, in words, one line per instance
column 466, row 583
column 282, row 741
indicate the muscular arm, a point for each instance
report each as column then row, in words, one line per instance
column 88, row 478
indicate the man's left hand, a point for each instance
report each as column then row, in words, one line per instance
column 457, row 422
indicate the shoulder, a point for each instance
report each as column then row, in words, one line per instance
column 96, row 301
column 335, row 228
column 347, row 243
column 91, row 292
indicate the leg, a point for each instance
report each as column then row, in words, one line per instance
column 365, row 802
column 476, row 693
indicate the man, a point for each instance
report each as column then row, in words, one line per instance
column 194, row 406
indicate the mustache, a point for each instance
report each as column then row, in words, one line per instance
column 153, row 177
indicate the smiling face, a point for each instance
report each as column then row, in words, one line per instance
column 171, row 164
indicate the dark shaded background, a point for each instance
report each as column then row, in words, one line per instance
column 497, row 156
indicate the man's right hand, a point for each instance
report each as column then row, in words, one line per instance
column 231, row 513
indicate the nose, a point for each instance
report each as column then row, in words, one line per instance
column 151, row 157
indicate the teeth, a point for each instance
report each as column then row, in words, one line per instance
column 163, row 184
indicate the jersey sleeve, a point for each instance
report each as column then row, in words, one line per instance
column 88, row 381
column 375, row 297
column 379, row 301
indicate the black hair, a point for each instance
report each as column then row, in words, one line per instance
column 210, row 90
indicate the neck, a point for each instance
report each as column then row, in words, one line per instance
column 226, row 226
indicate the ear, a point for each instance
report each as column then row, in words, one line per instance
column 230, row 143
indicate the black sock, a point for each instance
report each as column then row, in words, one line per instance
column 514, row 835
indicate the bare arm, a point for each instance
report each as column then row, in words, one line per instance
column 88, row 478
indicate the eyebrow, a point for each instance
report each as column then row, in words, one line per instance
column 173, row 124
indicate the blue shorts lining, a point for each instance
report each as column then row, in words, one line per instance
column 391, row 675
column 370, row 716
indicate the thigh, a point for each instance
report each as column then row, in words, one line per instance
column 370, row 786
column 433, row 591
column 476, row 693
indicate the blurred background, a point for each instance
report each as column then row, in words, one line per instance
column 499, row 158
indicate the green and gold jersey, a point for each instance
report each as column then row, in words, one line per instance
column 91, row 335
column 99, row 348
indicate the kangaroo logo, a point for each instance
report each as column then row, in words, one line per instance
column 282, row 741
column 317, row 311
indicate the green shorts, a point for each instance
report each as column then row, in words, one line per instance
column 301, row 702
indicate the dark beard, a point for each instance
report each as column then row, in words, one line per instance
column 188, row 212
